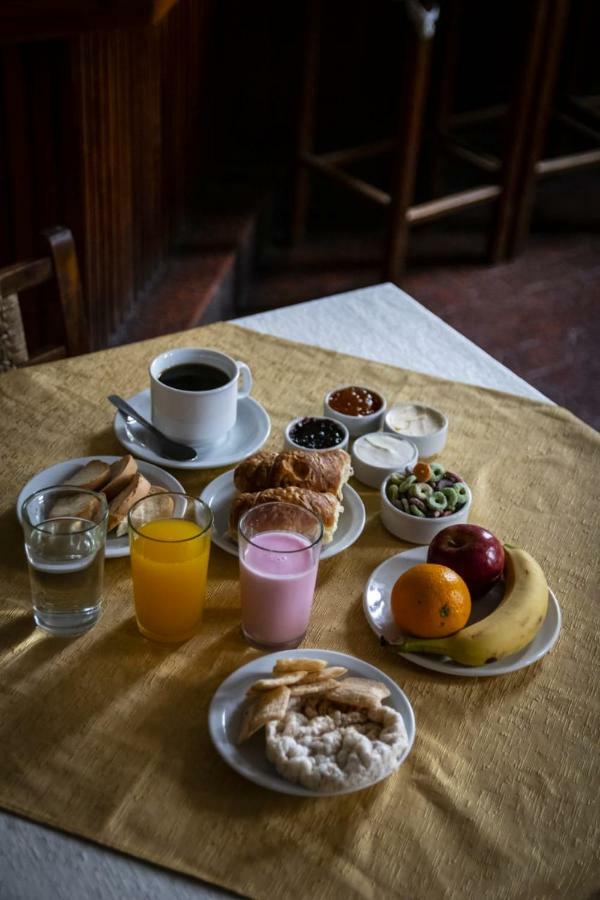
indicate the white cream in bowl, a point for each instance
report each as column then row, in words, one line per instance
column 425, row 426
column 376, row 455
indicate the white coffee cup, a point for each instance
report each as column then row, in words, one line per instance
column 198, row 417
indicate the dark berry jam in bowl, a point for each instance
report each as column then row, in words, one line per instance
column 316, row 433
column 360, row 409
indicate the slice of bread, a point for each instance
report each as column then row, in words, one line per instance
column 77, row 506
column 92, row 476
column 120, row 505
column 121, row 473
column 165, row 505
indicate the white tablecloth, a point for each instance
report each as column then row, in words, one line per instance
column 381, row 323
column 385, row 324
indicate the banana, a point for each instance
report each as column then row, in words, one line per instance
column 510, row 627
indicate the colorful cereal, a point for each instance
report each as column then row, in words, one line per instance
column 428, row 490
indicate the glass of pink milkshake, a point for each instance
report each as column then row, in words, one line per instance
column 279, row 547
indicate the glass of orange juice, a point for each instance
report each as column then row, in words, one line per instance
column 169, row 537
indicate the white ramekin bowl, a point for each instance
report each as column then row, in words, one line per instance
column 356, row 425
column 412, row 528
column 427, row 444
column 290, row 443
column 372, row 474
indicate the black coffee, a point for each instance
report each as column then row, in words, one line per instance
column 194, row 377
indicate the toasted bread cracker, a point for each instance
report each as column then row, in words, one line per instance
column 268, row 684
column 361, row 683
column 290, row 664
column 324, row 674
column 247, row 729
column 318, row 687
column 267, row 706
column 359, row 692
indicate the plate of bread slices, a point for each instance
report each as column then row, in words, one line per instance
column 122, row 479
column 316, row 481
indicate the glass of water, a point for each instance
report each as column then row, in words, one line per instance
column 65, row 535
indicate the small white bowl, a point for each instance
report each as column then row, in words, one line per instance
column 290, row 443
column 427, row 444
column 414, row 529
column 356, row 425
column 372, row 473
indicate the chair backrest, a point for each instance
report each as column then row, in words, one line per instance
column 61, row 265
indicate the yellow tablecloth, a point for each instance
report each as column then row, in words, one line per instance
column 106, row 735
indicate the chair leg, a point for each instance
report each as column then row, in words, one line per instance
column 538, row 126
column 306, row 128
column 414, row 91
column 444, row 84
column 529, row 115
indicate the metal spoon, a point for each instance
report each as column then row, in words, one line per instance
column 156, row 440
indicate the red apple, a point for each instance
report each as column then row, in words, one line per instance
column 474, row 552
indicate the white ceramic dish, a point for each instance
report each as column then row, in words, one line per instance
column 115, row 546
column 376, row 606
column 356, row 425
column 372, row 474
column 249, row 433
column 220, row 492
column 412, row 528
column 290, row 443
column 249, row 759
column 427, row 444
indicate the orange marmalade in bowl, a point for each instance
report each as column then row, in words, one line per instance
column 355, row 401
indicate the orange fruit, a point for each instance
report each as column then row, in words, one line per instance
column 430, row 601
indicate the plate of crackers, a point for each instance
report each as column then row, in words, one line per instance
column 311, row 723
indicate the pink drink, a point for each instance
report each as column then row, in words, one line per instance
column 278, row 572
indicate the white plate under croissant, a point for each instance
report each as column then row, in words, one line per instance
column 221, row 492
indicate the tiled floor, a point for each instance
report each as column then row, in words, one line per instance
column 538, row 314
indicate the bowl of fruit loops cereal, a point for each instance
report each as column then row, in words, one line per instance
column 419, row 502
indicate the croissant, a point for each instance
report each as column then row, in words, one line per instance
column 325, row 471
column 254, row 473
column 326, row 506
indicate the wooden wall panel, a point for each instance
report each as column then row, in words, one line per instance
column 149, row 248
column 100, row 132
column 102, row 70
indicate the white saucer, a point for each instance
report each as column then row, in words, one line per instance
column 115, row 546
column 219, row 495
column 249, row 758
column 249, row 433
column 376, row 606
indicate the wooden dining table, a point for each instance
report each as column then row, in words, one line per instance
column 376, row 325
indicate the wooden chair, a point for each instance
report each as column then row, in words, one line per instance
column 561, row 105
column 62, row 266
column 527, row 118
column 503, row 183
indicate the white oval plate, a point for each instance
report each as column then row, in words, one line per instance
column 376, row 606
column 219, row 495
column 115, row 546
column 248, row 435
column 249, row 759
